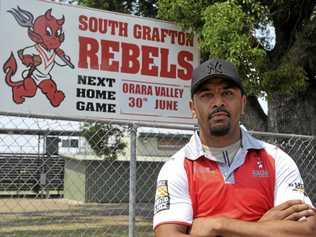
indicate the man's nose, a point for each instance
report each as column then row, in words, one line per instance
column 218, row 101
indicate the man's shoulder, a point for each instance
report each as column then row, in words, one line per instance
column 173, row 169
column 274, row 150
column 252, row 142
column 282, row 159
column 177, row 159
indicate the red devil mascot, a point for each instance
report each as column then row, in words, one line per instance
column 39, row 59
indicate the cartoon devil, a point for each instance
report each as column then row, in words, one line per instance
column 47, row 34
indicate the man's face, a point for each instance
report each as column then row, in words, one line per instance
column 217, row 105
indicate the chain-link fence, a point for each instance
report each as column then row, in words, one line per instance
column 71, row 178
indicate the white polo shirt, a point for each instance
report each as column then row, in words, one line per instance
column 192, row 184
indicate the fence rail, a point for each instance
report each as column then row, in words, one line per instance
column 72, row 178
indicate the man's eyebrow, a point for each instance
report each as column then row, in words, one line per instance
column 230, row 86
column 202, row 89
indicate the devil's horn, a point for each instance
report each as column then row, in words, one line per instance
column 48, row 14
column 61, row 21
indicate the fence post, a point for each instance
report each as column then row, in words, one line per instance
column 132, row 181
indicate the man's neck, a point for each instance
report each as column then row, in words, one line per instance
column 220, row 141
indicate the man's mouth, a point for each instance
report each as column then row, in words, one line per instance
column 219, row 114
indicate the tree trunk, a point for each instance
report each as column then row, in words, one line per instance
column 293, row 114
column 254, row 117
column 295, row 34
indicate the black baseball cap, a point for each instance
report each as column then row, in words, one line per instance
column 215, row 68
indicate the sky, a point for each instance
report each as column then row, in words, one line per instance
column 264, row 104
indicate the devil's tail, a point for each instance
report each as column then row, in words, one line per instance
column 9, row 68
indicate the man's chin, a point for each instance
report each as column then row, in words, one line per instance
column 219, row 131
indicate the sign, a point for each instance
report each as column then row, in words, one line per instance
column 72, row 62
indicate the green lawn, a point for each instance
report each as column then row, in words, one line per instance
column 55, row 220
column 60, row 227
column 107, row 231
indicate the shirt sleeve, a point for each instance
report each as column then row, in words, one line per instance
column 172, row 200
column 289, row 184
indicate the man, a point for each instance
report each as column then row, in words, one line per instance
column 224, row 182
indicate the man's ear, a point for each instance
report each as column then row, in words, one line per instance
column 243, row 104
column 192, row 108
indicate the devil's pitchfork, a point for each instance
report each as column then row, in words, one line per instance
column 25, row 19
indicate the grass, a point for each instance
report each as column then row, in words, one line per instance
column 107, row 231
column 54, row 220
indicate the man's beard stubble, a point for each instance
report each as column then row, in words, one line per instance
column 219, row 131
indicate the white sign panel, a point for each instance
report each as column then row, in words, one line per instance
column 72, row 62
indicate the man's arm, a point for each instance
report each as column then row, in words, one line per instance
column 173, row 208
column 278, row 220
column 176, row 230
column 288, row 180
column 280, row 228
column 171, row 230
column 293, row 210
column 227, row 227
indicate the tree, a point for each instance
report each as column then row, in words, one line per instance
column 137, row 7
column 286, row 72
column 112, row 5
column 146, row 8
column 105, row 139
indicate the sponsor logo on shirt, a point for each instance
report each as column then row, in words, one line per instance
column 201, row 169
column 298, row 187
column 259, row 163
column 260, row 173
column 162, row 199
column 260, row 170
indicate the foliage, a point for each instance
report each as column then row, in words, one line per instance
column 112, row 5
column 105, row 139
column 187, row 13
column 146, row 8
column 226, row 34
column 254, row 9
column 226, row 29
column 137, row 7
column 275, row 79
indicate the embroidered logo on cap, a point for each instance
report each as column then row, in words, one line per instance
column 217, row 68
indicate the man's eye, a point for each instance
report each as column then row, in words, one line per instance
column 227, row 93
column 206, row 95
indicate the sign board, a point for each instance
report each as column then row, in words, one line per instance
column 67, row 61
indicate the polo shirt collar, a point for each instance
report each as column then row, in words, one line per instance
column 194, row 149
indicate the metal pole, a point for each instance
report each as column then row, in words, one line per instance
column 132, row 181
